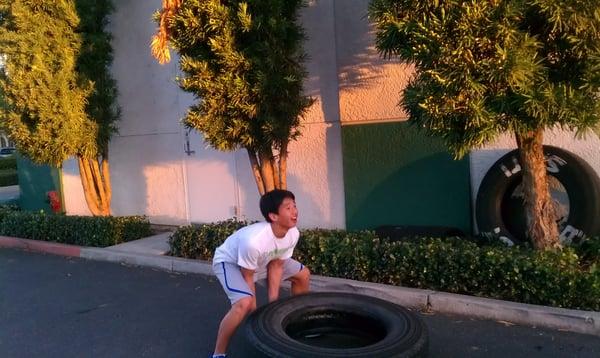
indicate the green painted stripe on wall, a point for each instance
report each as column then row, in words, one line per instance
column 395, row 175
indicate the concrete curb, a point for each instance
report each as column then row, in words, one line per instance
column 587, row 322
column 40, row 246
column 167, row 263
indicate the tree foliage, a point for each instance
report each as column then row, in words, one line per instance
column 60, row 97
column 485, row 67
column 243, row 61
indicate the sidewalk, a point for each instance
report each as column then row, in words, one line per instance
column 150, row 252
column 9, row 193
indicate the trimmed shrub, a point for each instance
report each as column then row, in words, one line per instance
column 589, row 251
column 569, row 278
column 200, row 241
column 8, row 177
column 8, row 163
column 76, row 230
column 338, row 253
column 538, row 277
column 6, row 208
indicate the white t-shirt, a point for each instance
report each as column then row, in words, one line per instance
column 254, row 246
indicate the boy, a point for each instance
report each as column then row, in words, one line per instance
column 253, row 252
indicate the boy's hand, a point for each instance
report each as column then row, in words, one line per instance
column 274, row 273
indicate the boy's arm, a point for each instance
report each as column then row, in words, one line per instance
column 274, row 273
column 275, row 269
column 248, row 276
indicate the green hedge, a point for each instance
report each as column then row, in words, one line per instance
column 200, row 241
column 8, row 163
column 76, row 230
column 8, row 177
column 569, row 278
column 4, row 208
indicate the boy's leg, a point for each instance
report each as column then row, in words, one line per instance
column 242, row 302
column 231, row 321
column 298, row 275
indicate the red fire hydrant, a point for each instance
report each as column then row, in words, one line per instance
column 54, row 200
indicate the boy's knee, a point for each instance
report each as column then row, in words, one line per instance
column 245, row 305
column 303, row 275
column 306, row 273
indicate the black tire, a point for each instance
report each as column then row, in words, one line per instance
column 375, row 328
column 498, row 213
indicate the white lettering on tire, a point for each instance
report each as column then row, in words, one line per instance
column 514, row 170
column 553, row 163
column 568, row 233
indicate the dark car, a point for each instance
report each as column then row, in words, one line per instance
column 7, row 152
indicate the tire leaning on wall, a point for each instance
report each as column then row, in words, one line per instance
column 496, row 210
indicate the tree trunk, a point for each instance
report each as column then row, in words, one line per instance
column 95, row 179
column 256, row 171
column 540, row 212
column 266, row 169
column 275, row 165
column 283, row 154
column 269, row 170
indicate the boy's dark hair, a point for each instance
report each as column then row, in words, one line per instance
column 270, row 202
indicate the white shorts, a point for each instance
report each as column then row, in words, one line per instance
column 234, row 284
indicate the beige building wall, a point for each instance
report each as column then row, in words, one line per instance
column 153, row 171
column 370, row 87
column 159, row 171
column 145, row 157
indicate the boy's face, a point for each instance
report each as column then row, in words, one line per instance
column 287, row 215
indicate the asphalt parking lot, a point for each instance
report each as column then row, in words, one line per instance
column 54, row 306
